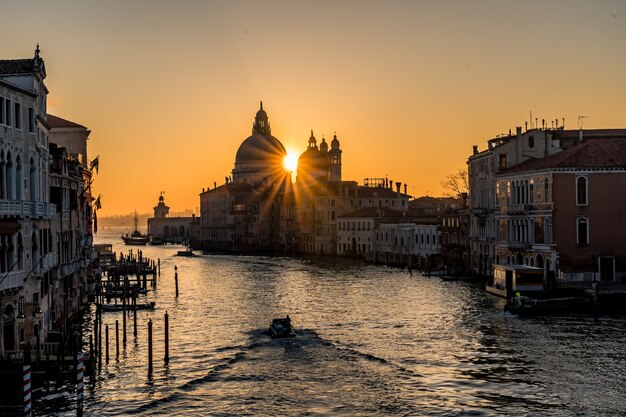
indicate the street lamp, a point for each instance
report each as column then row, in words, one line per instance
column 21, row 319
column 38, row 313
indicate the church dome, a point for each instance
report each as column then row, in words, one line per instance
column 259, row 157
column 260, row 148
column 313, row 160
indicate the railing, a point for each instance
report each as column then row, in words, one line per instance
column 518, row 245
column 518, row 208
column 11, row 280
column 20, row 208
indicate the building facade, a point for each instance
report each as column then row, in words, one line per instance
column 561, row 213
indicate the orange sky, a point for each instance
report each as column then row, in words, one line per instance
column 170, row 89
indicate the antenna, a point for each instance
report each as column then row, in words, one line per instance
column 580, row 121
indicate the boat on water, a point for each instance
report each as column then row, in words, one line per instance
column 186, row 252
column 135, row 237
column 521, row 305
column 281, row 328
column 120, row 307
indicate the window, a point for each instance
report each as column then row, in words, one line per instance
column 581, row 191
column 502, row 161
column 531, row 141
column 582, row 233
column 7, row 112
column 31, row 120
column 18, row 116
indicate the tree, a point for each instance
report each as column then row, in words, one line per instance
column 455, row 184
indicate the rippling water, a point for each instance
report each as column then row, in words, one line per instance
column 371, row 341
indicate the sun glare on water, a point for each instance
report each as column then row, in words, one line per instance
column 291, row 161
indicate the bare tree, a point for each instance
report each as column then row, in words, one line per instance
column 456, row 183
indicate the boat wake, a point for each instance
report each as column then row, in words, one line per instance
column 303, row 355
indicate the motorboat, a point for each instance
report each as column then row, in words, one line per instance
column 281, row 328
column 186, row 252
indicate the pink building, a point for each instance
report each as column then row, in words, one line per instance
column 564, row 213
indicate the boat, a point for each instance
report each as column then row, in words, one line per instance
column 281, row 328
column 186, row 252
column 521, row 305
column 135, row 237
column 120, row 307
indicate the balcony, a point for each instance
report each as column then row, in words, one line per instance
column 519, row 245
column 518, row 208
column 11, row 280
column 479, row 211
column 20, row 208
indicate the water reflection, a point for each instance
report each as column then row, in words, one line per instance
column 371, row 341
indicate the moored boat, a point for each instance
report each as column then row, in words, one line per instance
column 527, row 306
column 135, row 237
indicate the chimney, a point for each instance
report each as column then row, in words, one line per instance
column 391, row 184
column 518, row 130
column 398, row 185
column 405, row 188
column 475, row 149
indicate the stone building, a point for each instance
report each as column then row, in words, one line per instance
column 243, row 214
column 165, row 229
column 26, row 258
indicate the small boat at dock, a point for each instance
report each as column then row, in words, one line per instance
column 527, row 306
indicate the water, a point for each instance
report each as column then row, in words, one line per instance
column 371, row 341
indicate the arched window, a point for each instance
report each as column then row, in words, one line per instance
column 539, row 260
column 519, row 259
column 9, row 177
column 18, row 178
column 581, row 191
column 582, row 232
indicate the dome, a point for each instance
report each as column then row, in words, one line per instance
column 260, row 148
column 324, row 146
column 334, row 144
column 313, row 160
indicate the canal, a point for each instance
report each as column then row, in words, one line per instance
column 371, row 341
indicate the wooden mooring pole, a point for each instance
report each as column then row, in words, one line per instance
column 117, row 339
column 150, row 347
column 106, row 329
column 176, row 279
column 167, row 337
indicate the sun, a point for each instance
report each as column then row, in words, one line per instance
column 291, row 161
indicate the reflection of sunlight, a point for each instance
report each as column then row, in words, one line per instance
column 291, row 161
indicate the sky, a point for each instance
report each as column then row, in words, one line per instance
column 169, row 89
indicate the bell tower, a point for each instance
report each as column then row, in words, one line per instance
column 161, row 211
column 335, row 160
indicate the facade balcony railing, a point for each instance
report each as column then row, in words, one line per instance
column 11, row 280
column 518, row 208
column 519, row 245
column 20, row 208
column 68, row 268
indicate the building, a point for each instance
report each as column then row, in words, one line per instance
column 26, row 250
column 165, row 229
column 243, row 214
column 562, row 213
